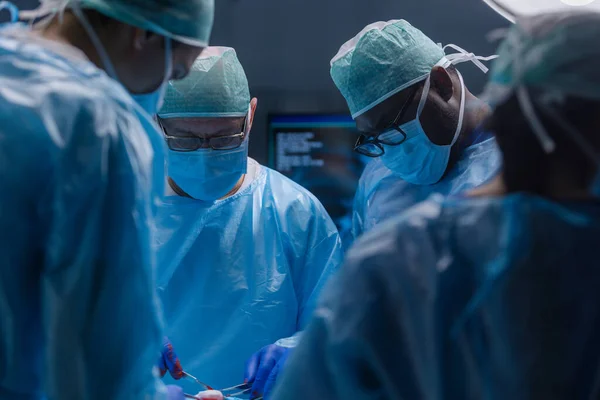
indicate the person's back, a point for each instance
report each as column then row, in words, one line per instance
column 80, row 162
column 493, row 294
column 468, row 318
column 66, row 203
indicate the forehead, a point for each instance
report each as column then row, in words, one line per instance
column 203, row 125
column 380, row 116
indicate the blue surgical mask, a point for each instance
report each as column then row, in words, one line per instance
column 417, row 160
column 153, row 101
column 208, row 174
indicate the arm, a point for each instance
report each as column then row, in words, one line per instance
column 316, row 259
column 333, row 359
column 101, row 310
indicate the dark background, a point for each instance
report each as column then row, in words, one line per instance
column 285, row 45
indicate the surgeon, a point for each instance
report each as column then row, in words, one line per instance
column 79, row 158
column 494, row 295
column 419, row 122
column 243, row 251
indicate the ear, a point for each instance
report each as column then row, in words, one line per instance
column 441, row 83
column 253, row 105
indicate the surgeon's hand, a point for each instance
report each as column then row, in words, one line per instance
column 169, row 361
column 174, row 393
column 263, row 368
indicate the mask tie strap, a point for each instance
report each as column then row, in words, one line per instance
column 464, row 56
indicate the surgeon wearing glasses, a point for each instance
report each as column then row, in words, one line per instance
column 243, row 251
column 419, row 121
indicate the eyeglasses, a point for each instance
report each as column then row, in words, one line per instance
column 193, row 143
column 393, row 135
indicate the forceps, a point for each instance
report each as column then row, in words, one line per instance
column 238, row 390
column 233, row 391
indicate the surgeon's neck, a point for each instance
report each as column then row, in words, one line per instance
column 180, row 192
column 235, row 189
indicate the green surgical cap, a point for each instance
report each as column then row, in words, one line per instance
column 382, row 60
column 187, row 21
column 216, row 87
column 557, row 52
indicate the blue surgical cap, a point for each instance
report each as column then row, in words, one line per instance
column 556, row 52
column 216, row 87
column 382, row 60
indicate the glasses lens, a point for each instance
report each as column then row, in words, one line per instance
column 184, row 143
column 393, row 137
column 369, row 149
column 226, row 142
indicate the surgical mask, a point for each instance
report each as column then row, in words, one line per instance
column 417, row 160
column 208, row 174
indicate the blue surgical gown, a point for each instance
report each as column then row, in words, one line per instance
column 241, row 273
column 484, row 298
column 381, row 194
column 77, row 295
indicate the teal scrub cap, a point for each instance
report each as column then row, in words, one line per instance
column 186, row 21
column 216, row 87
column 382, row 60
column 556, row 53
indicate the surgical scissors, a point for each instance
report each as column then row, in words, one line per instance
column 199, row 382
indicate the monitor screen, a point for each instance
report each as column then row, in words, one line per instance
column 317, row 152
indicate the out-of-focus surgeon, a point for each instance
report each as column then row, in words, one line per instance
column 419, row 121
column 243, row 251
column 493, row 296
column 81, row 166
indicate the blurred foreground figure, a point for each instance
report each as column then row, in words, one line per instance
column 81, row 165
column 493, row 296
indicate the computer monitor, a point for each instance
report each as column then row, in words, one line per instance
column 317, row 152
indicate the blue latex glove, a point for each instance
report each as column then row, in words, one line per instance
column 263, row 368
column 174, row 393
column 169, row 361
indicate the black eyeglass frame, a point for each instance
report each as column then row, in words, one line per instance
column 365, row 140
column 200, row 140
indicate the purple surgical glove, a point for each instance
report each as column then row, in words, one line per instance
column 263, row 368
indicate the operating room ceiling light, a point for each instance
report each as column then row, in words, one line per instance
column 577, row 2
column 512, row 9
